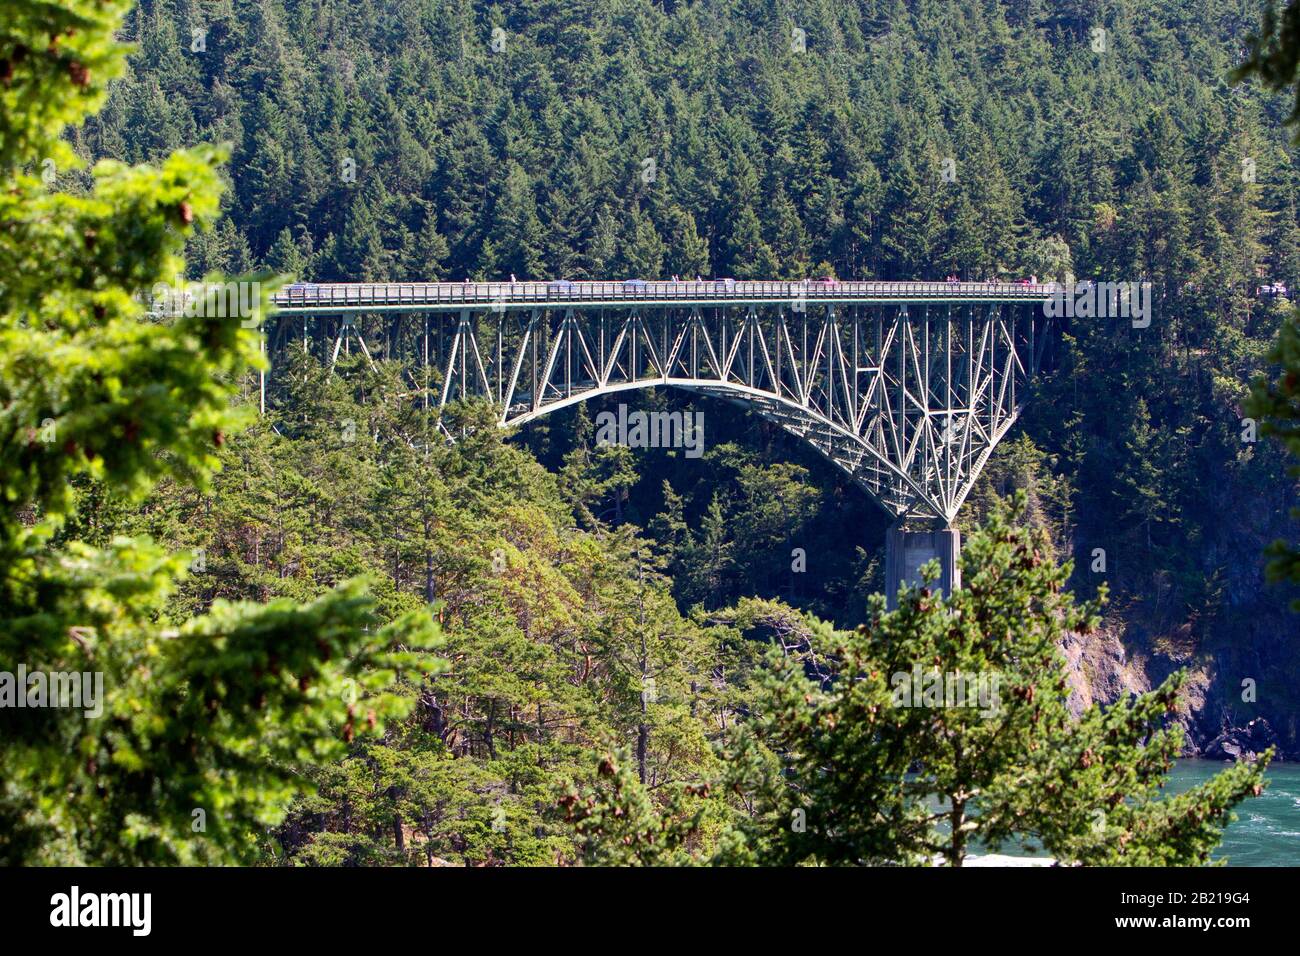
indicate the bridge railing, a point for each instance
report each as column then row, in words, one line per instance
column 388, row 294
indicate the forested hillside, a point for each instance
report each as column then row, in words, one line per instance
column 546, row 625
column 429, row 139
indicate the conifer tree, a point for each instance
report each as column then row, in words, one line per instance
column 1275, row 58
column 926, row 732
column 184, row 755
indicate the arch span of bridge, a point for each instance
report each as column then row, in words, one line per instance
column 907, row 387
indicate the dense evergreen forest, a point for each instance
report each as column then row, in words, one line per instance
column 605, row 614
column 766, row 139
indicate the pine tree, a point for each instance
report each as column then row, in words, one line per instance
column 286, row 257
column 1275, row 58
column 186, row 754
column 924, row 767
column 641, row 250
column 687, row 254
column 517, row 232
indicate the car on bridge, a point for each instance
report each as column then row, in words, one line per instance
column 635, row 285
column 299, row 291
column 561, row 287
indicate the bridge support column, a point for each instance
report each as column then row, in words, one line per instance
column 906, row 551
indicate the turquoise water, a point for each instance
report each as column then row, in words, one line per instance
column 1267, row 829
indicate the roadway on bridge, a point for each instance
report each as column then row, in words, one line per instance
column 333, row 298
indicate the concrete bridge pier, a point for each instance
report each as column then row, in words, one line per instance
column 906, row 551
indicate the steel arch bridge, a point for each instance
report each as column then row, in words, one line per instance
column 907, row 387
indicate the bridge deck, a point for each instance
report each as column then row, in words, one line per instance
column 337, row 297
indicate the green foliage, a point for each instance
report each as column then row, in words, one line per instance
column 246, row 688
column 199, row 719
column 1275, row 57
column 1278, row 404
column 620, row 824
column 559, row 631
column 1273, row 53
column 774, row 162
column 853, row 755
column 873, row 765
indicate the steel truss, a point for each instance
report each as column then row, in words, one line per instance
column 908, row 398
